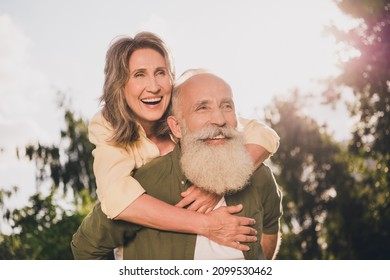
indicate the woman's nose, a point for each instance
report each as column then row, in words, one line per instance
column 153, row 85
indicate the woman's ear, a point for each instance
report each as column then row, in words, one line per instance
column 174, row 126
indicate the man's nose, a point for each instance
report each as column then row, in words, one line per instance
column 218, row 118
column 152, row 85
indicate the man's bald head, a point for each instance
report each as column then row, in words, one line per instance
column 213, row 155
column 199, row 99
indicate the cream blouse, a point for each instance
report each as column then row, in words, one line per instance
column 113, row 165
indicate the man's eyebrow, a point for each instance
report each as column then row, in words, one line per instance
column 227, row 100
column 207, row 101
column 201, row 103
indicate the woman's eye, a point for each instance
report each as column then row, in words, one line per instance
column 160, row 73
column 138, row 74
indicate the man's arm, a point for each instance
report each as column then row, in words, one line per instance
column 97, row 236
column 270, row 244
column 271, row 198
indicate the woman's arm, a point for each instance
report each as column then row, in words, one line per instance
column 97, row 236
column 113, row 165
column 261, row 140
column 219, row 225
column 258, row 154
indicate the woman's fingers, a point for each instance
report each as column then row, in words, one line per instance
column 187, row 197
column 196, row 199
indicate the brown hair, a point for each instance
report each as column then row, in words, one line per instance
column 115, row 109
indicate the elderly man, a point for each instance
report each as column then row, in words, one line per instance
column 210, row 154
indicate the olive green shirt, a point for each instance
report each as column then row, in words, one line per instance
column 164, row 179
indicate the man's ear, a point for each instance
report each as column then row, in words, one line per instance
column 174, row 126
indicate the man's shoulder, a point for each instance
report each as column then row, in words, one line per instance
column 159, row 177
column 263, row 177
column 263, row 181
column 159, row 165
column 263, row 172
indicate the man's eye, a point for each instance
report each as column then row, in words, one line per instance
column 200, row 108
column 227, row 106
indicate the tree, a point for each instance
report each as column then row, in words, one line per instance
column 357, row 224
column 310, row 172
column 70, row 164
column 333, row 209
column 43, row 229
column 368, row 75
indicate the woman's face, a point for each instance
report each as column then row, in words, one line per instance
column 148, row 90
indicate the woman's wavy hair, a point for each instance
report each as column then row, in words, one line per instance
column 115, row 109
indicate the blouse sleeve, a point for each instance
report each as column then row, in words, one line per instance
column 112, row 166
column 258, row 133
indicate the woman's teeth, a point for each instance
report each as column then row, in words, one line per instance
column 152, row 101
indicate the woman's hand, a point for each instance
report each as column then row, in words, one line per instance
column 230, row 230
column 221, row 225
column 198, row 200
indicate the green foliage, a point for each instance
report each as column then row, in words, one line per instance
column 367, row 200
column 43, row 229
column 68, row 165
column 358, row 220
column 310, row 174
column 368, row 74
column 343, row 212
column 336, row 203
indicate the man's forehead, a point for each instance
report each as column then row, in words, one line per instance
column 206, row 87
column 207, row 100
column 204, row 79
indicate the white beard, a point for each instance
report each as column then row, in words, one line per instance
column 220, row 168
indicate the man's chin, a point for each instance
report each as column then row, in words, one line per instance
column 219, row 165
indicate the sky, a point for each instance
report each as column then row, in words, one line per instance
column 264, row 49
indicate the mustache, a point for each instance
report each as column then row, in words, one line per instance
column 213, row 131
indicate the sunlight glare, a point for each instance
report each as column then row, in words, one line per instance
column 288, row 49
